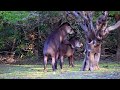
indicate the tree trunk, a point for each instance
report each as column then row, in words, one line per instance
column 94, row 34
column 92, row 56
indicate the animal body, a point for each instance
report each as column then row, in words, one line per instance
column 67, row 50
column 53, row 42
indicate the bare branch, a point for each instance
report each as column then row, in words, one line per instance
column 83, row 14
column 111, row 28
column 87, row 17
column 84, row 27
column 101, row 20
column 105, row 13
column 75, row 13
column 78, row 17
column 90, row 16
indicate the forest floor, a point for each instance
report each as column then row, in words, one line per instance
column 109, row 69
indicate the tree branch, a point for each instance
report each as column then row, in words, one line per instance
column 84, row 27
column 78, row 17
column 76, row 14
column 90, row 18
column 111, row 28
column 83, row 14
column 101, row 21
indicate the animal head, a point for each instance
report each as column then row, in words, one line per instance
column 78, row 44
column 68, row 28
column 75, row 43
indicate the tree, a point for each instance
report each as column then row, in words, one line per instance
column 95, row 33
column 8, row 34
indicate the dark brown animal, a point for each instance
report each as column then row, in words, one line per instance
column 52, row 44
column 68, row 49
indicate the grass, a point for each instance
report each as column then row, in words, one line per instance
column 108, row 70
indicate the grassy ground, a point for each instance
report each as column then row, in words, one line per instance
column 109, row 70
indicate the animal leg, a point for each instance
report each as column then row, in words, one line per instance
column 45, row 62
column 61, row 62
column 72, row 61
column 53, row 63
column 69, row 61
column 56, row 60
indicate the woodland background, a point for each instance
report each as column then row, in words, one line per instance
column 22, row 36
column 23, row 33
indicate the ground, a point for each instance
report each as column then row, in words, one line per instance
column 108, row 70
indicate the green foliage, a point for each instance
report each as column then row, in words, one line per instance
column 8, row 32
column 114, row 12
column 96, row 15
column 13, row 16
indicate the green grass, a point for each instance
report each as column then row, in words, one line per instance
column 108, row 70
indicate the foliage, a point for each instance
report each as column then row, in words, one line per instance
column 7, row 21
column 14, row 25
column 13, row 16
